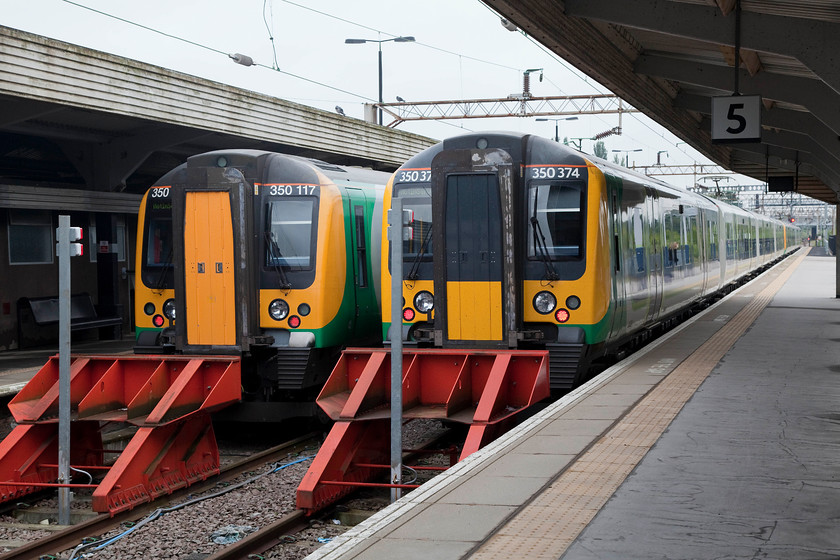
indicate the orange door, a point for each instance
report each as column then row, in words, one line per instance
column 209, row 272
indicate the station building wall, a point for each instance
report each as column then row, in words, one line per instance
column 29, row 268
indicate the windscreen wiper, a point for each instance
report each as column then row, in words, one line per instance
column 415, row 265
column 161, row 279
column 275, row 255
column 539, row 243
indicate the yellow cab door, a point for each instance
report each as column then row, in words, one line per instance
column 208, row 269
column 473, row 237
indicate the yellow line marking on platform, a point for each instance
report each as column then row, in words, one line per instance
column 546, row 527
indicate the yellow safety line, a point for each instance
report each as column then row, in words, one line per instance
column 547, row 526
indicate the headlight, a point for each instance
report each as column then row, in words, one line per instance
column 169, row 309
column 278, row 309
column 424, row 302
column 572, row 302
column 545, row 302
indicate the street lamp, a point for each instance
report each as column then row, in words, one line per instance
column 626, row 155
column 408, row 39
column 556, row 125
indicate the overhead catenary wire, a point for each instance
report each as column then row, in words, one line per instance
column 212, row 49
column 270, row 5
column 380, row 32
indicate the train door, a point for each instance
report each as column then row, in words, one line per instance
column 703, row 251
column 473, row 241
column 355, row 261
column 208, row 269
column 654, row 244
column 358, row 207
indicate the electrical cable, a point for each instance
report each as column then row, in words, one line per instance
column 90, row 476
column 276, row 467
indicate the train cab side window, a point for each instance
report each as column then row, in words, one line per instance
column 361, row 246
column 290, row 232
column 556, row 213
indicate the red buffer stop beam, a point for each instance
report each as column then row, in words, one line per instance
column 484, row 389
column 168, row 397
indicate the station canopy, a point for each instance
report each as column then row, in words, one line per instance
column 671, row 58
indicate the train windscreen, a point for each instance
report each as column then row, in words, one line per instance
column 291, row 233
column 157, row 251
column 418, row 199
column 556, row 220
column 159, row 242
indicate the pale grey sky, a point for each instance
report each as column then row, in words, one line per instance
column 462, row 52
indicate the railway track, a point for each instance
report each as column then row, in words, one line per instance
column 70, row 537
column 284, row 532
column 272, row 535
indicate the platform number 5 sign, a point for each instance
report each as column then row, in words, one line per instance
column 736, row 118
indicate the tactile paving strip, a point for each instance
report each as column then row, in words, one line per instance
column 546, row 527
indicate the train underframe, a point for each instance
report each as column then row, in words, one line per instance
column 278, row 383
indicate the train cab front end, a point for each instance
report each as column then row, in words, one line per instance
column 502, row 253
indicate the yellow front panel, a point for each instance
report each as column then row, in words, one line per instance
column 209, row 271
column 324, row 296
column 474, row 310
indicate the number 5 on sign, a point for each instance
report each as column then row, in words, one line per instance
column 736, row 118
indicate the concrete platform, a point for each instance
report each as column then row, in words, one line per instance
column 720, row 440
column 18, row 366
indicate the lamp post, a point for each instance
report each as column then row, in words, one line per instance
column 407, row 39
column 557, row 125
column 626, row 155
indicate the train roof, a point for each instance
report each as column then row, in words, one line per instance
column 339, row 174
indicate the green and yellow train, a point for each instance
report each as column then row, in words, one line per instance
column 271, row 257
column 520, row 242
